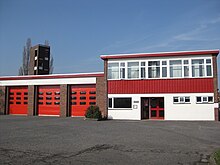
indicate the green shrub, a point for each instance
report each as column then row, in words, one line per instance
column 93, row 112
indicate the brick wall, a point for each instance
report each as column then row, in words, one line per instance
column 101, row 92
column 2, row 99
column 64, row 103
column 31, row 100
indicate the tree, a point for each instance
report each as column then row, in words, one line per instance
column 23, row 70
column 51, row 59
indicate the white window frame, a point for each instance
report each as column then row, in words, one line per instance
column 137, row 67
column 181, row 102
column 118, row 70
column 189, row 59
column 205, row 102
column 113, row 106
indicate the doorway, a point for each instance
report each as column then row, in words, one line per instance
column 152, row 108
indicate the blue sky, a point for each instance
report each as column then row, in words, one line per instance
column 79, row 31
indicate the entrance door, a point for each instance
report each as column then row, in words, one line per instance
column 145, row 108
column 157, row 108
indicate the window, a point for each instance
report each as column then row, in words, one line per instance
column 25, row 98
column 92, row 92
column 57, row 93
column 113, row 71
column 92, row 97
column 73, row 92
column 208, row 67
column 153, row 69
column 25, row 93
column 49, row 93
column 82, row 103
column 204, row 99
column 122, row 102
column 18, row 98
column 198, row 68
column 175, row 68
column 57, row 103
column 186, row 68
column 164, row 68
column 48, row 103
column 181, row 99
column 48, row 98
column 73, row 103
column 73, row 98
column 40, row 93
column 82, row 98
column 133, row 70
column 143, row 70
column 40, row 98
column 57, row 98
column 92, row 103
column 122, row 70
column 110, row 102
column 83, row 92
column 18, row 93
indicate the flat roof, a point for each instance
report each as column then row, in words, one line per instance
column 160, row 54
column 53, row 76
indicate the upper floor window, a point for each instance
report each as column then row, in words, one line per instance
column 133, row 70
column 165, row 68
column 113, row 70
column 198, row 69
column 153, row 69
column 122, row 70
column 175, row 68
column 143, row 70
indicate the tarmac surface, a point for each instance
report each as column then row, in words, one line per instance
column 62, row 141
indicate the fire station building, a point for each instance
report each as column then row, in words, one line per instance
column 152, row 86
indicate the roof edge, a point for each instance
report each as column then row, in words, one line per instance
column 158, row 54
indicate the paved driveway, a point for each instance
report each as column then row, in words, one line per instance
column 52, row 140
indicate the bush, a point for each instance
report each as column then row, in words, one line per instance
column 93, row 112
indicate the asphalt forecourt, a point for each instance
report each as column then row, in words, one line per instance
column 54, row 140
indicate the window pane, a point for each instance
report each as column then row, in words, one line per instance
column 164, row 63
column 133, row 69
column 110, row 102
column 187, row 99
column 198, row 70
column 186, row 61
column 182, row 99
column 154, row 63
column 186, row 71
column 175, row 62
column 210, row 99
column 154, row 72
column 142, row 63
column 122, row 72
column 198, row 99
column 176, row 71
column 153, row 113
column 208, row 70
column 113, row 71
column 175, row 68
column 204, row 99
column 122, row 102
column 164, row 72
column 143, row 74
column 199, row 61
column 208, row 61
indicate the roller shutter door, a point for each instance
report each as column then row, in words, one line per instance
column 48, row 100
column 81, row 97
column 18, row 100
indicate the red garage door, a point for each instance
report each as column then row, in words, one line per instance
column 82, row 96
column 49, row 100
column 18, row 100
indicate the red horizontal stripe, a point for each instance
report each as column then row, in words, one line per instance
column 189, row 85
